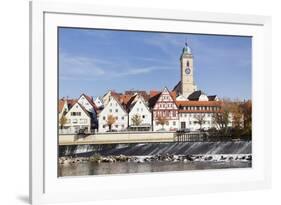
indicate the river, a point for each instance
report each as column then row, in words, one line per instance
column 92, row 168
column 76, row 160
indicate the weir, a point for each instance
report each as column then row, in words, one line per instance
column 175, row 148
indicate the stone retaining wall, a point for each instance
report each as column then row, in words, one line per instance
column 114, row 138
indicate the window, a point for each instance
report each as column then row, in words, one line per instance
column 75, row 113
column 122, row 118
column 116, row 118
column 74, row 121
column 116, row 110
column 110, row 110
column 174, row 123
column 103, row 126
column 143, row 116
column 83, row 121
column 123, row 126
column 116, row 126
column 103, row 117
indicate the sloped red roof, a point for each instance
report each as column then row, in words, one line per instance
column 71, row 102
column 152, row 93
column 90, row 100
column 61, row 104
column 152, row 101
column 198, row 103
column 124, row 99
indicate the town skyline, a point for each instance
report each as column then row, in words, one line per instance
column 127, row 60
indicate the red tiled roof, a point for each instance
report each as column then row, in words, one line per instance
column 61, row 104
column 71, row 102
column 198, row 103
column 124, row 99
column 142, row 93
column 173, row 95
column 129, row 103
column 152, row 93
column 90, row 100
column 152, row 101
column 197, row 111
column 84, row 109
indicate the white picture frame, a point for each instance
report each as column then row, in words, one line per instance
column 46, row 187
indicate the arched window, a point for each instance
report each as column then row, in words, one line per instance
column 187, row 63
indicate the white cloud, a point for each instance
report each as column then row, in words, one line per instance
column 86, row 68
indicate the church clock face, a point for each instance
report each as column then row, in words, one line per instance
column 187, row 70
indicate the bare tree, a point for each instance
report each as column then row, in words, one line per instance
column 62, row 121
column 230, row 115
column 200, row 119
column 246, row 108
column 136, row 119
column 110, row 121
column 221, row 118
column 161, row 120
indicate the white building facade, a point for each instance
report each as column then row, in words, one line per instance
column 78, row 119
column 116, row 110
column 195, row 115
column 138, row 107
column 165, row 107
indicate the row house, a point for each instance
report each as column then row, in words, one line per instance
column 139, row 113
column 77, row 115
column 164, row 111
column 113, row 116
column 78, row 119
column 195, row 115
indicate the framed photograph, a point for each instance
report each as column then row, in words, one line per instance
column 129, row 102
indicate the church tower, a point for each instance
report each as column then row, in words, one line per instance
column 187, row 82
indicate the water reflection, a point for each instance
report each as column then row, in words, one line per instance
column 93, row 168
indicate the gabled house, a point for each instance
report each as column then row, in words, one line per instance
column 107, row 96
column 78, row 119
column 164, row 111
column 88, row 103
column 99, row 103
column 139, row 114
column 113, row 117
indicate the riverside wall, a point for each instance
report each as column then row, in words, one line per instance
column 115, row 138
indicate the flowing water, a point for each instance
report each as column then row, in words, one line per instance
column 152, row 149
column 228, row 147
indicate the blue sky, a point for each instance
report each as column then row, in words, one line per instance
column 95, row 61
